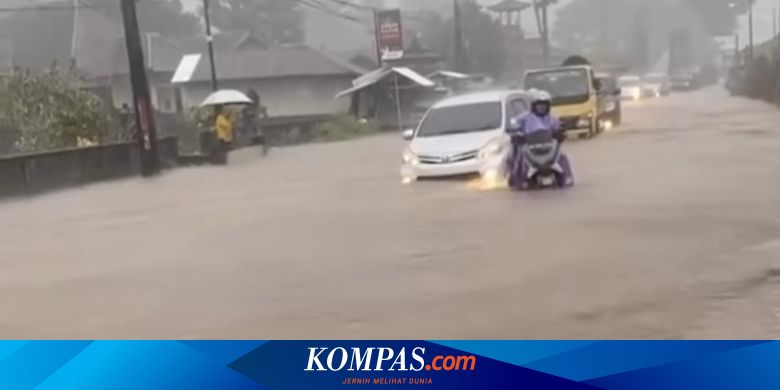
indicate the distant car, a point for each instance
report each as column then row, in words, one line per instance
column 630, row 87
column 683, row 81
column 613, row 107
column 735, row 80
column 458, row 132
column 657, row 84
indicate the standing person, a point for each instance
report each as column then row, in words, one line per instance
column 253, row 113
column 223, row 128
column 127, row 119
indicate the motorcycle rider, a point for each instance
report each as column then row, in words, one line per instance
column 538, row 118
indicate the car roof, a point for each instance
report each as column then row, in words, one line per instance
column 559, row 68
column 477, row 97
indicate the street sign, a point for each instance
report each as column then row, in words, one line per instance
column 389, row 34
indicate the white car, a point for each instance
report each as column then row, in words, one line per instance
column 461, row 134
column 631, row 87
column 657, row 84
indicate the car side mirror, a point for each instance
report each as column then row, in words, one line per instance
column 598, row 85
column 408, row 134
column 512, row 125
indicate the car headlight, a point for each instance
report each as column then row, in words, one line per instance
column 492, row 148
column 585, row 120
column 408, row 157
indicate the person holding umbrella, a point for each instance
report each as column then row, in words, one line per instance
column 223, row 123
column 223, row 126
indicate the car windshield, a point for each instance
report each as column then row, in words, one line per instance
column 628, row 81
column 566, row 83
column 654, row 79
column 461, row 119
column 682, row 77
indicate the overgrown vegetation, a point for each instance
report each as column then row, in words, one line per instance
column 346, row 127
column 481, row 35
column 49, row 111
column 760, row 78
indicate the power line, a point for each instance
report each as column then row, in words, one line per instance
column 357, row 5
column 325, row 9
column 369, row 8
column 66, row 7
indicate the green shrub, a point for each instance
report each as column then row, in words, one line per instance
column 51, row 111
column 760, row 79
column 346, row 127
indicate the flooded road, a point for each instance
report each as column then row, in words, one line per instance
column 673, row 231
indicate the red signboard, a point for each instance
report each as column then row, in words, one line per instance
column 389, row 33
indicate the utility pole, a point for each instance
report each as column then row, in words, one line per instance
column 546, row 33
column 376, row 39
column 146, row 132
column 460, row 60
column 210, row 42
column 774, row 22
column 542, row 22
column 750, row 30
column 603, row 24
column 74, row 44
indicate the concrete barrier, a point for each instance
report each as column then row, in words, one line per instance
column 34, row 173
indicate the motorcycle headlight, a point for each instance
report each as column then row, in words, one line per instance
column 492, row 148
column 408, row 157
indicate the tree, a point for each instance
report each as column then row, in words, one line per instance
column 49, row 111
column 720, row 16
column 761, row 79
column 272, row 21
column 481, row 39
column 167, row 18
column 631, row 32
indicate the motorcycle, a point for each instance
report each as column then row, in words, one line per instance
column 538, row 159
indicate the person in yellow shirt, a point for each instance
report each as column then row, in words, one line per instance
column 224, row 126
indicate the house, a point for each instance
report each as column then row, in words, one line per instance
column 419, row 59
column 94, row 49
column 396, row 97
column 292, row 81
column 162, row 56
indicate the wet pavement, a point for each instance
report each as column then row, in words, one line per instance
column 673, row 231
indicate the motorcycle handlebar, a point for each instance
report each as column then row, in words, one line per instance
column 519, row 138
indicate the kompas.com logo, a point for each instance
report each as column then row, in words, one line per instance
column 385, row 359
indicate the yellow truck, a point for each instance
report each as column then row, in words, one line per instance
column 578, row 99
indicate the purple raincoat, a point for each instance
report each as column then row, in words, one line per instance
column 528, row 123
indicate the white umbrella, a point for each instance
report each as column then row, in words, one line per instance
column 226, row 96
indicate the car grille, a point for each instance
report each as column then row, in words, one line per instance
column 449, row 159
column 569, row 122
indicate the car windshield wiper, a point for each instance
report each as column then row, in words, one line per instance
column 456, row 131
column 470, row 129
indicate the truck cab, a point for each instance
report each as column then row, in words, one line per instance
column 577, row 96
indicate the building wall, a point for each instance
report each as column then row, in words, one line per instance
column 122, row 91
column 283, row 96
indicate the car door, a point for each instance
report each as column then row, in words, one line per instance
column 610, row 94
column 515, row 106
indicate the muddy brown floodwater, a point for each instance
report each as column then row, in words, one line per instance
column 673, row 231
